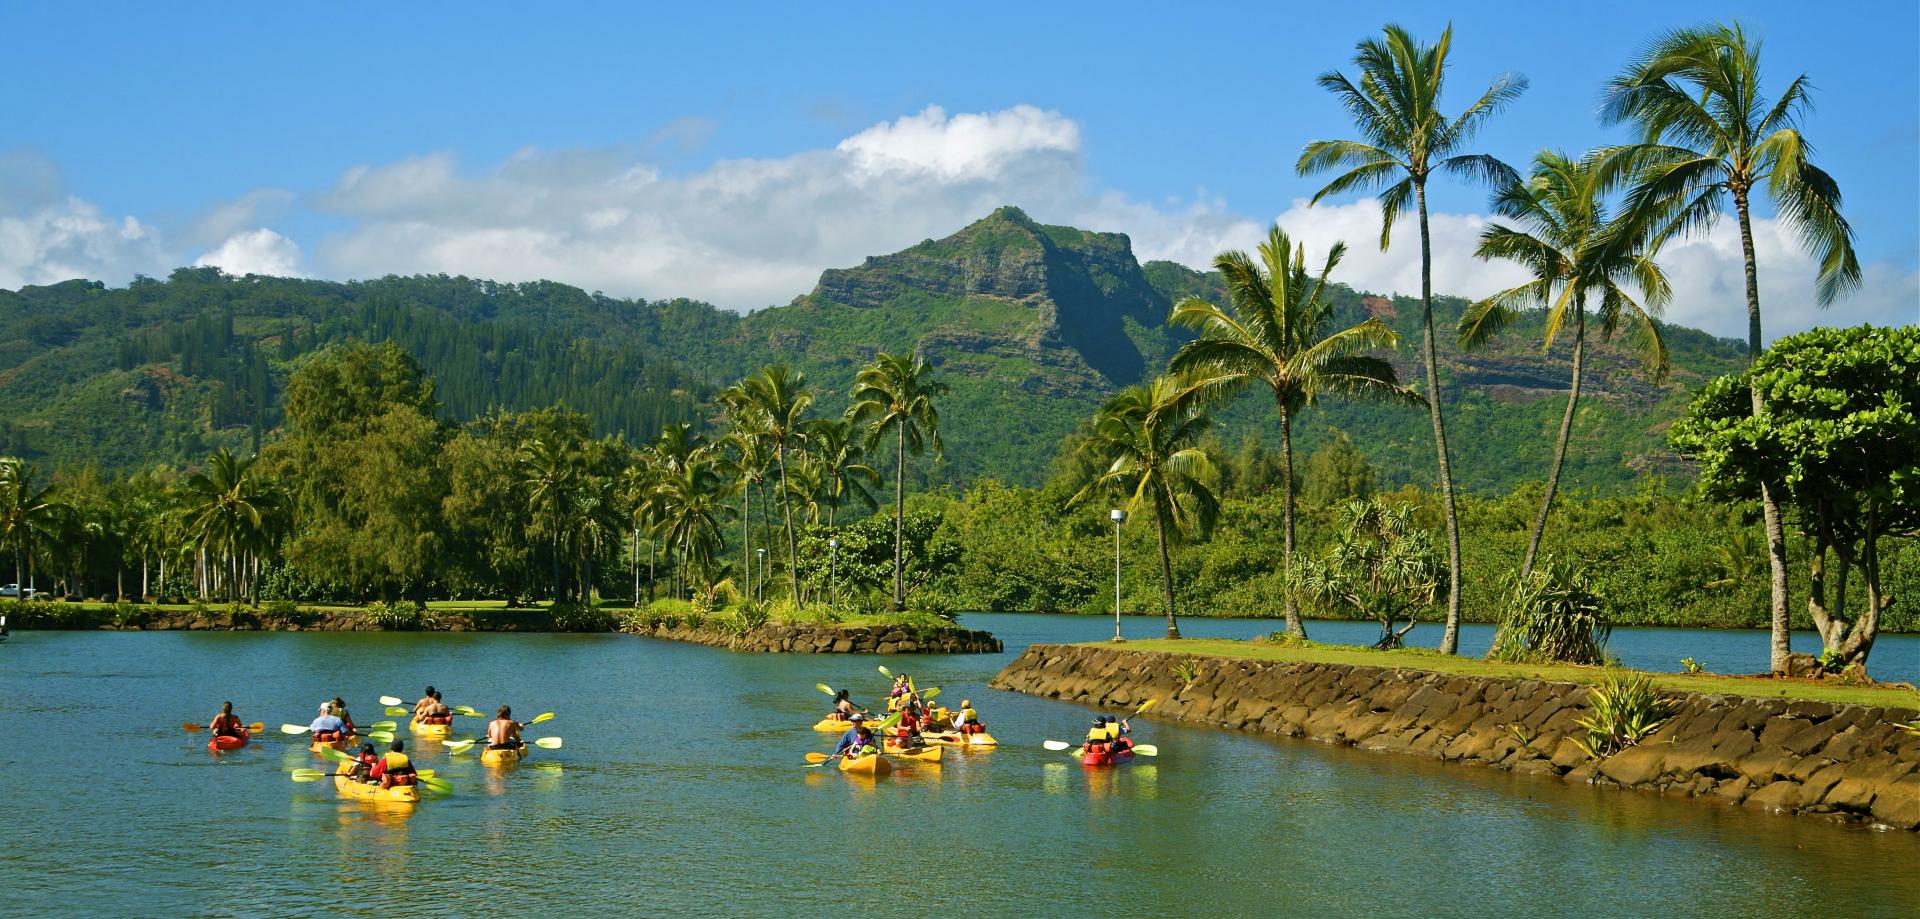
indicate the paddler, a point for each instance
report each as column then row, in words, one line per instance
column 394, row 768
column 853, row 738
column 967, row 721
column 430, row 710
column 843, row 707
column 503, row 733
column 227, row 724
column 363, row 764
column 328, row 728
column 340, row 711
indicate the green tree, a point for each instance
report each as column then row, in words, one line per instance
column 689, row 500
column 1396, row 107
column 844, row 474
column 896, row 392
column 30, row 514
column 1337, row 472
column 1279, row 335
column 234, row 515
column 551, row 470
column 1575, row 250
column 1709, row 137
column 1840, row 442
column 1148, row 437
column 780, row 395
column 1381, row 565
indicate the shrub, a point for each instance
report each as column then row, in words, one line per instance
column 1186, row 671
column 130, row 615
column 1621, row 710
column 752, row 614
column 578, row 617
column 1692, row 666
column 1553, row 615
column 403, row 616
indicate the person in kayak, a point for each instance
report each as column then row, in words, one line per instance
column 394, row 768
column 503, row 733
column 227, row 724
column 430, row 710
column 364, row 763
column 855, row 736
column 967, row 721
column 328, row 727
column 340, row 711
column 902, row 685
column 843, row 707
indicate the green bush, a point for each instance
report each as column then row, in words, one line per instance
column 130, row 615
column 578, row 617
column 401, row 616
column 1622, row 710
column 1553, row 615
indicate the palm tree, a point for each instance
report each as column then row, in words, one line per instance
column 780, row 395
column 1396, row 107
column 1148, row 439
column 843, row 467
column 689, row 519
column 1278, row 335
column 1709, row 137
column 231, row 514
column 897, row 391
column 1574, row 249
column 636, row 496
column 29, row 513
column 550, row 469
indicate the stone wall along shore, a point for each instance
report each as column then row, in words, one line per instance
column 1844, row 762
column 830, row 639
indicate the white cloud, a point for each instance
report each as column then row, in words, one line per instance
column 221, row 221
column 70, row 238
column 963, row 147
column 257, row 251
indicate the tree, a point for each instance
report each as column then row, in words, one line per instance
column 689, row 516
column 843, row 469
column 1337, row 473
column 780, row 395
column 30, row 513
column 550, row 472
column 897, row 392
column 1709, row 137
column 1279, row 335
column 1839, row 441
column 1148, row 438
column 233, row 515
column 1574, row 249
column 1396, row 107
column 1381, row 565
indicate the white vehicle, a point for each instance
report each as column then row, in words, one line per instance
column 13, row 590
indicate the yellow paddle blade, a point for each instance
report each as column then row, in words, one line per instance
column 256, row 727
column 817, row 757
column 331, row 753
column 548, row 743
column 190, row 728
column 541, row 718
column 929, row 693
column 308, row 775
column 457, row 747
column 885, row 672
column 381, row 726
column 426, row 773
column 293, row 729
column 1144, row 706
column 1057, row 745
column 436, row 785
column 824, row 688
column 390, row 700
column 380, row 736
column 397, row 711
column 1146, row 749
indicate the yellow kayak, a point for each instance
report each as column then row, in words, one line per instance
column 494, row 757
column 834, row 725
column 873, row 764
column 963, row 740
column 429, row 730
column 316, row 746
column 924, row 754
column 371, row 791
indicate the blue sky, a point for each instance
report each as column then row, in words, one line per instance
column 732, row 152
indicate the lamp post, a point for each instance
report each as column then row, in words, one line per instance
column 833, row 579
column 1118, row 517
column 762, row 591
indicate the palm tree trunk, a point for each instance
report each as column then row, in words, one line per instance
column 1166, row 573
column 786, row 510
column 746, row 532
column 1560, row 446
column 900, row 519
column 1449, row 639
column 1295, row 628
column 1782, row 643
column 634, row 560
column 651, row 579
column 143, row 577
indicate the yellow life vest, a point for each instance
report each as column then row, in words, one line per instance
column 970, row 715
column 397, row 761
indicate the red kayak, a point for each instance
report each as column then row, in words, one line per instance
column 1106, row 756
column 223, row 743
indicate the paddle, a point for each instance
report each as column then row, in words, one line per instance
column 391, row 700
column 457, row 747
column 817, row 759
column 397, row 711
column 190, row 728
column 825, row 688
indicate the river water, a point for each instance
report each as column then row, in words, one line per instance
column 682, row 790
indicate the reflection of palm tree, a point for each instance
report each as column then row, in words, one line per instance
column 1149, row 438
column 232, row 513
column 1396, row 107
column 1278, row 336
column 29, row 514
column 897, row 392
column 1573, row 248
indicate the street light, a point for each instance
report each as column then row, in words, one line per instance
column 833, row 580
column 1118, row 517
column 762, row 592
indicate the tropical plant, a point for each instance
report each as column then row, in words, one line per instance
column 779, row 395
column 1692, row 666
column 1396, row 107
column 1709, row 137
column 689, row 518
column 1553, row 613
column 399, row 616
column 1381, row 565
column 844, row 474
column 1149, row 438
column 551, row 470
column 896, row 392
column 1574, row 249
column 1186, row 671
column 1621, row 711
column 1279, row 335
column 233, row 515
column 30, row 514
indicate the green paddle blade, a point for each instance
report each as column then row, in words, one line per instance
column 824, row 688
column 929, row 694
column 1146, row 749
column 541, row 718
column 390, row 700
column 885, row 672
column 381, row 726
column 331, row 753
column 548, row 743
column 380, row 736
column 457, row 747
column 397, row 711
column 308, row 775
column 435, row 785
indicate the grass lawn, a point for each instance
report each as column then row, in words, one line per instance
column 1425, row 659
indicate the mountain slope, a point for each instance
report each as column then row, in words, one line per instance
column 1031, row 326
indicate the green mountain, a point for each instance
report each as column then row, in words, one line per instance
column 1031, row 326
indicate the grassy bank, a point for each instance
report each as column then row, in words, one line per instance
column 1888, row 695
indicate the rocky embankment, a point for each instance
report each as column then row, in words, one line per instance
column 1848, row 762
column 831, row 639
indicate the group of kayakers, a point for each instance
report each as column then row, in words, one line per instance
column 334, row 725
column 1108, row 740
column 912, row 720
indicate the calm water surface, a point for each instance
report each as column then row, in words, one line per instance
column 682, row 790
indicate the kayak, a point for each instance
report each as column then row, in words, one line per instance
column 224, row 743
column 873, row 764
column 964, row 740
column 429, row 730
column 371, row 791
column 924, row 754
column 494, row 757
column 834, row 725
column 1103, row 758
column 343, row 743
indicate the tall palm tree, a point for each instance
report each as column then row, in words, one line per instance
column 780, row 395
column 689, row 521
column 1148, row 438
column 1709, row 138
column 232, row 513
column 1279, row 335
column 897, row 391
column 1396, row 107
column 550, row 470
column 29, row 514
column 745, row 456
column 1575, row 249
column 636, row 496
column 843, row 468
